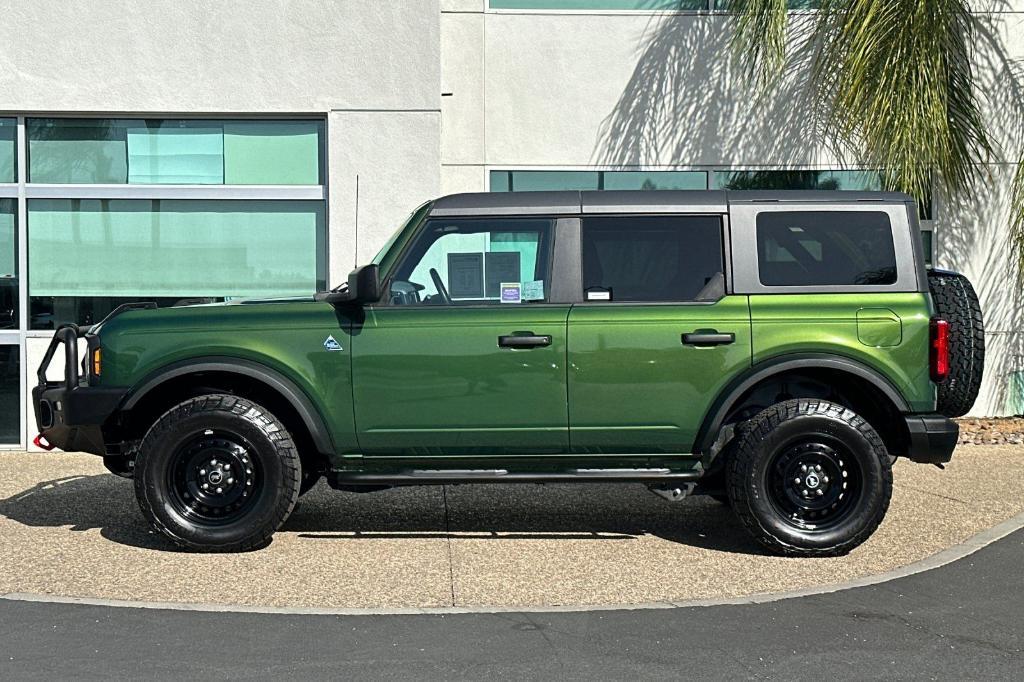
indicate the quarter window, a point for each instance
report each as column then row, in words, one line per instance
column 474, row 262
column 653, row 258
column 816, row 248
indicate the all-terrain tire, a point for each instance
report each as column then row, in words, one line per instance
column 230, row 429
column 956, row 302
column 770, row 457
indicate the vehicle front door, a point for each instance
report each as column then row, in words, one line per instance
column 657, row 335
column 466, row 356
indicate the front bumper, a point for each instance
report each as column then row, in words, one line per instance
column 932, row 438
column 70, row 414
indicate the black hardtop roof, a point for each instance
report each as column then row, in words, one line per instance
column 638, row 201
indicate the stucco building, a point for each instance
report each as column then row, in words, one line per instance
column 175, row 149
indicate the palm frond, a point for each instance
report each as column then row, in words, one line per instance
column 759, row 42
column 896, row 79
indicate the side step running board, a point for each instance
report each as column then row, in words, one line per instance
column 423, row 476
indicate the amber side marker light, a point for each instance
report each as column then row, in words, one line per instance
column 938, row 352
column 97, row 361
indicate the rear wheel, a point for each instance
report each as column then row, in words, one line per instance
column 217, row 473
column 810, row 478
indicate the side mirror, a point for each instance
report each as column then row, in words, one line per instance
column 363, row 287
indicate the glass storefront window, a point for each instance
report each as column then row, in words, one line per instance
column 8, row 155
column 635, row 5
column 860, row 180
column 10, row 395
column 532, row 181
column 169, row 251
column 540, row 181
column 655, row 180
column 601, row 4
column 174, row 151
column 8, row 265
column 798, row 179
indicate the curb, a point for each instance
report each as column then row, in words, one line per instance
column 942, row 558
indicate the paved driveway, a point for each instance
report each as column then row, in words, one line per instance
column 962, row 621
column 68, row 528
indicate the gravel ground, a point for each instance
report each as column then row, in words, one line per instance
column 991, row 431
column 69, row 528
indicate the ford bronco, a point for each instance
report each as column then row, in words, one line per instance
column 776, row 351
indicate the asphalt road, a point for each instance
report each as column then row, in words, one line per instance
column 960, row 621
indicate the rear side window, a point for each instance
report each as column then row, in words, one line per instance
column 814, row 248
column 652, row 258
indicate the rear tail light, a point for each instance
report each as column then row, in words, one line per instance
column 938, row 355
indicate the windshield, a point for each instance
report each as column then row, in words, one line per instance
column 413, row 218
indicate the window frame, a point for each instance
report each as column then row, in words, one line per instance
column 726, row 244
column 548, row 247
column 747, row 266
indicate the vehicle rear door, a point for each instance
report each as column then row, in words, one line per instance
column 657, row 334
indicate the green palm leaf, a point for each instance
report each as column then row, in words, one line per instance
column 895, row 87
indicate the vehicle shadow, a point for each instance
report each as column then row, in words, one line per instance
column 599, row 512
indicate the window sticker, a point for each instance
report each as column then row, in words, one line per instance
column 596, row 294
column 533, row 291
column 500, row 266
column 466, row 275
column 511, row 292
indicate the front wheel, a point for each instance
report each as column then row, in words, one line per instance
column 810, row 478
column 217, row 473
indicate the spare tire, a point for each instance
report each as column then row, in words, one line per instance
column 957, row 303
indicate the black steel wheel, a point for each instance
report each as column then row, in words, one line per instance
column 815, row 484
column 809, row 478
column 217, row 473
column 214, row 478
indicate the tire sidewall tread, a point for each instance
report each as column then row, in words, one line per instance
column 756, row 447
column 956, row 302
column 279, row 460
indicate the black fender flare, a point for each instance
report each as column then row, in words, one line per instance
column 250, row 369
column 766, row 369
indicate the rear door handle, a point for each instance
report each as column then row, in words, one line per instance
column 523, row 341
column 708, row 338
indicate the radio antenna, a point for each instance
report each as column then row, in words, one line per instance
column 356, row 250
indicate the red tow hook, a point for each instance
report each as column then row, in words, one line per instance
column 40, row 442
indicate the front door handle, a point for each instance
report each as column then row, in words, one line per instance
column 523, row 341
column 709, row 338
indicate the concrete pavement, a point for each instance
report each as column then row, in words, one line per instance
column 68, row 528
column 961, row 621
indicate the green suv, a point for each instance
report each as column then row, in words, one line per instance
column 776, row 351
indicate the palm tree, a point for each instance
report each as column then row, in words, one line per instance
column 894, row 87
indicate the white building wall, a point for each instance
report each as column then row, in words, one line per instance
column 558, row 90
column 371, row 69
column 522, row 90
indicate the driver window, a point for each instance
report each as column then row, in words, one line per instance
column 475, row 262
